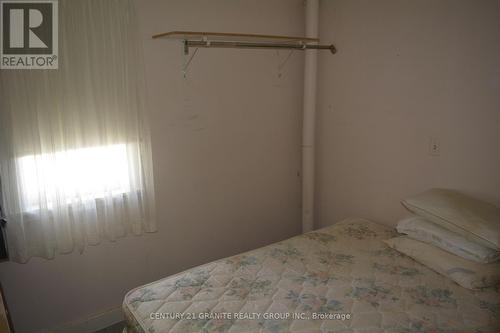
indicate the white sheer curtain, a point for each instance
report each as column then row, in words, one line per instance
column 75, row 161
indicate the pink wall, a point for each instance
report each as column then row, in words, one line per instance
column 226, row 141
column 406, row 71
column 226, row 151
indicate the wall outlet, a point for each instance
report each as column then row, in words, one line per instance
column 434, row 147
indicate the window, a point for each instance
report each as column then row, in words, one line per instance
column 79, row 174
column 60, row 195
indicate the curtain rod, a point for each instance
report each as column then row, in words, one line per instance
column 228, row 44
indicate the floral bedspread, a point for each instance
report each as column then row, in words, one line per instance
column 342, row 278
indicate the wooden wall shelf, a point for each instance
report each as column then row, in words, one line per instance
column 243, row 40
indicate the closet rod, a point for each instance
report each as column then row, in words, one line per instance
column 228, row 44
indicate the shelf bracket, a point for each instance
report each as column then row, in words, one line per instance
column 282, row 65
column 188, row 60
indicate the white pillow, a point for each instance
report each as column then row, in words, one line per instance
column 476, row 220
column 466, row 273
column 420, row 229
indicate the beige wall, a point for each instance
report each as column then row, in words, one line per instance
column 406, row 71
column 226, row 150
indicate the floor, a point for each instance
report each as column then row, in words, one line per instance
column 116, row 328
column 4, row 323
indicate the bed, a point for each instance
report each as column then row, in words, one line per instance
column 341, row 278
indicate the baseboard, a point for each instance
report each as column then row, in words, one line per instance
column 93, row 323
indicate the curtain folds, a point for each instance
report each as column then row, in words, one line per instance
column 75, row 159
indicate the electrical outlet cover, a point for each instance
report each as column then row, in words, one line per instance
column 434, row 147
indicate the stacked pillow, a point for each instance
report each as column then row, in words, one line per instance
column 453, row 234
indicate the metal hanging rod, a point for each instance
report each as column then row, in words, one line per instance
column 207, row 39
column 244, row 40
column 256, row 45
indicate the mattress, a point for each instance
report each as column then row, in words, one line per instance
column 342, row 278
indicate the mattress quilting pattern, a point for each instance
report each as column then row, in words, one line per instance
column 341, row 278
